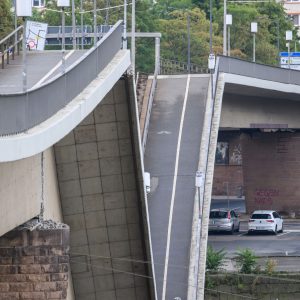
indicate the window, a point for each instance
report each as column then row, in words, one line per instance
column 295, row 20
column 38, row 3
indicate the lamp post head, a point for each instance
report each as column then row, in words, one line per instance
column 253, row 27
column 228, row 19
column 24, row 8
column 63, row 3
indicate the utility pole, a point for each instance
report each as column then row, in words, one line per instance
column 189, row 43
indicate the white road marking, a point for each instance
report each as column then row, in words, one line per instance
column 52, row 70
column 173, row 190
column 284, row 233
column 164, row 132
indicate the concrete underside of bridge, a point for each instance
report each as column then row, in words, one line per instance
column 259, row 148
column 91, row 180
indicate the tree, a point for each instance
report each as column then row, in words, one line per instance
column 5, row 18
column 174, row 36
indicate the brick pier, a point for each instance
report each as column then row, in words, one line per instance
column 34, row 264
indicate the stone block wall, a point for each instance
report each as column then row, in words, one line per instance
column 99, row 189
column 34, row 264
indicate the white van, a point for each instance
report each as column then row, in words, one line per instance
column 147, row 181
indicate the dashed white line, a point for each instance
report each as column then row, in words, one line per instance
column 173, row 190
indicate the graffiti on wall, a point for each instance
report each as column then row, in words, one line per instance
column 265, row 196
column 236, row 155
column 222, row 153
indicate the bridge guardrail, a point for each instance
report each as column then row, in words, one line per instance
column 22, row 111
column 260, row 71
column 9, row 44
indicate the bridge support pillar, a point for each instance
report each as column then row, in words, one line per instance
column 34, row 263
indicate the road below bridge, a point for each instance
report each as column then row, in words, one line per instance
column 171, row 157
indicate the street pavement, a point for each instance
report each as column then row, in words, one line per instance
column 284, row 247
column 172, row 160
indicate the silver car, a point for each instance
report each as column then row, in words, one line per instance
column 224, row 220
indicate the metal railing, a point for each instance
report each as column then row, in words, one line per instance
column 173, row 67
column 149, row 107
column 241, row 67
column 54, row 34
column 10, row 44
column 22, row 111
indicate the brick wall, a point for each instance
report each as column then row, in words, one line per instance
column 233, row 175
column 271, row 167
column 34, row 264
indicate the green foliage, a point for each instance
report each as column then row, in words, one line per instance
column 174, row 39
column 170, row 18
column 5, row 18
column 214, row 259
column 246, row 260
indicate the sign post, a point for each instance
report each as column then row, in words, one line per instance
column 24, row 9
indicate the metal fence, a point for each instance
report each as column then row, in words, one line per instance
column 86, row 34
column 10, row 45
column 21, row 111
column 260, row 71
column 173, row 67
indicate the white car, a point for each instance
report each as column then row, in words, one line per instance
column 265, row 220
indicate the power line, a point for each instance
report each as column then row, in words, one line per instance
column 150, row 277
column 179, row 266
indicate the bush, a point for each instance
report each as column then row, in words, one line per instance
column 246, row 261
column 214, row 259
column 270, row 266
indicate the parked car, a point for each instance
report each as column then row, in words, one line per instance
column 265, row 220
column 223, row 220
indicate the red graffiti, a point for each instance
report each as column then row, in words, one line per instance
column 265, row 196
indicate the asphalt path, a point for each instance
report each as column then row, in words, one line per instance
column 171, row 157
column 41, row 65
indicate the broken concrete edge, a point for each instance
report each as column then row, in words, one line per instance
column 38, row 233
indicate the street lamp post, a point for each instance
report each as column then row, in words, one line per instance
column 189, row 43
column 24, row 9
column 224, row 29
column 95, row 22
column 81, row 23
column 73, row 25
column 63, row 4
column 125, row 26
column 133, row 38
column 289, row 37
column 253, row 31
column 228, row 23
